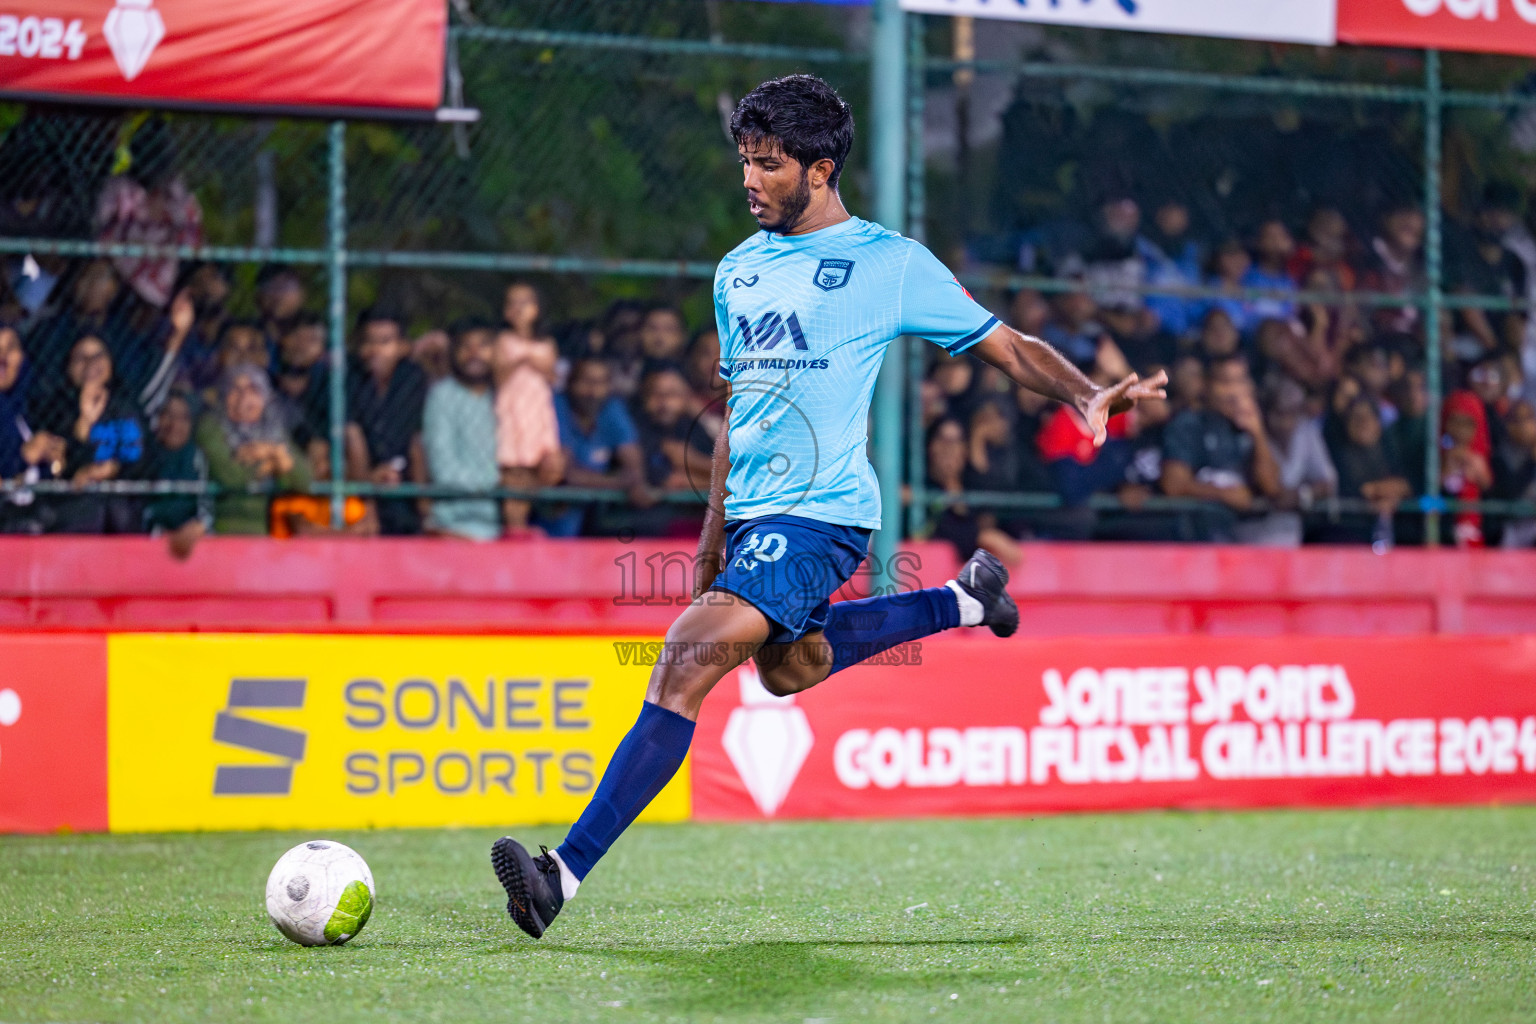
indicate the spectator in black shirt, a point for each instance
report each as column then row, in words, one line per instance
column 1220, row 454
column 94, row 309
column 1514, row 472
column 959, row 524
column 1484, row 267
column 385, row 399
column 676, row 449
column 303, row 379
column 103, row 434
column 1367, row 468
column 280, row 297
column 174, row 456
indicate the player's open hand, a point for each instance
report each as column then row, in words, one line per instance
column 1118, row 398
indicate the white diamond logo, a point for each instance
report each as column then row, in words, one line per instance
column 10, row 707
column 133, row 29
column 768, row 739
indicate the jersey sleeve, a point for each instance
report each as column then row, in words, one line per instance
column 722, row 326
column 935, row 306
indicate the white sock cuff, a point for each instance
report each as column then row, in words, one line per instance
column 971, row 610
column 569, row 883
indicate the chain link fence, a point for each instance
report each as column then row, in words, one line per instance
column 1144, row 202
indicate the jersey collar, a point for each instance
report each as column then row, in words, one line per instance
column 780, row 241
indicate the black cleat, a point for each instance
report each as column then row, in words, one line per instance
column 533, row 889
column 985, row 578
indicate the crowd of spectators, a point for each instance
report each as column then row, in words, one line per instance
column 1297, row 406
column 1289, row 418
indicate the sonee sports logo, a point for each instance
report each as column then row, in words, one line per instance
column 249, row 734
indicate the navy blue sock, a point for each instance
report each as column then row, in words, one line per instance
column 647, row 758
column 862, row 629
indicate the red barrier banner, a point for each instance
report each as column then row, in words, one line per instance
column 967, row 726
column 335, row 54
column 53, row 733
column 1485, row 26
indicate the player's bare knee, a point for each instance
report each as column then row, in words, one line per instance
column 782, row 684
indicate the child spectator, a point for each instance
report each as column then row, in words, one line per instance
column 527, row 435
column 459, row 433
column 103, row 434
column 384, row 407
column 246, row 444
column 601, row 446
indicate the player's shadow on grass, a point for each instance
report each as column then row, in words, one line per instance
column 798, row 972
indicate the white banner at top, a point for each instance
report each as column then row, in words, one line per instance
column 1282, row 21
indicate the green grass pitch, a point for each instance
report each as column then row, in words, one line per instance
column 1402, row 915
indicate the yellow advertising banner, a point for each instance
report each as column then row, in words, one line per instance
column 208, row 731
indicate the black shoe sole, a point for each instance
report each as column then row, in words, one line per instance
column 1010, row 624
column 510, row 873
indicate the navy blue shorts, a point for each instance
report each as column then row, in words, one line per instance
column 788, row 567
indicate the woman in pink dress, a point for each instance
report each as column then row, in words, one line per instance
column 527, row 436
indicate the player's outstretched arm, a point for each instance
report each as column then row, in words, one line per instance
column 1031, row 363
column 712, row 538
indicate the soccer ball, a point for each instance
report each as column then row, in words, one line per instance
column 320, row 893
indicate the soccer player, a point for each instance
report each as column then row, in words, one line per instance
column 806, row 309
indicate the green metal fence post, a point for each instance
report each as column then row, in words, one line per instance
column 336, row 270
column 888, row 162
column 1434, row 300
column 917, row 81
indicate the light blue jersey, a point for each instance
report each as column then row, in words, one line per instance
column 804, row 324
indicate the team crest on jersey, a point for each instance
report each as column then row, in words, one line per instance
column 832, row 274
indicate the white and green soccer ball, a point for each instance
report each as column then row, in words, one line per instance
column 320, row 893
